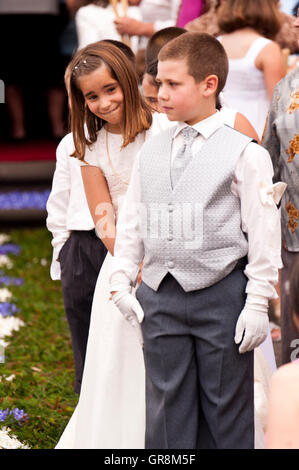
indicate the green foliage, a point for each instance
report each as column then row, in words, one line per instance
column 39, row 354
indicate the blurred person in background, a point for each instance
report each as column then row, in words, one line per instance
column 281, row 141
column 95, row 22
column 30, row 59
column 207, row 22
column 255, row 60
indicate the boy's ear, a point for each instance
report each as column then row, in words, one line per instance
column 211, row 85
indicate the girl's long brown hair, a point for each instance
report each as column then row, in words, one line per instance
column 261, row 15
column 137, row 116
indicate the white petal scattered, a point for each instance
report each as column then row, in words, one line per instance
column 43, row 262
column 5, row 295
column 3, row 344
column 4, row 238
column 8, row 325
column 5, row 261
column 10, row 441
column 10, row 378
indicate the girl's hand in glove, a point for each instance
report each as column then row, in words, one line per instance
column 131, row 309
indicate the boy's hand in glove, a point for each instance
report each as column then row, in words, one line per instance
column 253, row 323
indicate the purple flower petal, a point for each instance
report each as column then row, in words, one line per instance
column 8, row 309
column 24, row 200
column 11, row 281
column 10, row 248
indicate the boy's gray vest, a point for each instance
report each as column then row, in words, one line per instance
column 193, row 230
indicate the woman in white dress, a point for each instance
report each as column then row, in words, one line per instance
column 255, row 61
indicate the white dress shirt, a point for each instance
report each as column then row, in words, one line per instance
column 252, row 183
column 67, row 206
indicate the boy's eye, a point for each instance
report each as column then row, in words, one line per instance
column 172, row 84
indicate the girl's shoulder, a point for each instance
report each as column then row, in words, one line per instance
column 287, row 376
column 67, row 143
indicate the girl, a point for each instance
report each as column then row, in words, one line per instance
column 109, row 121
column 255, row 61
column 74, row 238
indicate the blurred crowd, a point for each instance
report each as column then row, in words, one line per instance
column 39, row 38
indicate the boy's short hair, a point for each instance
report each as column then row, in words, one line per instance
column 155, row 44
column 203, row 53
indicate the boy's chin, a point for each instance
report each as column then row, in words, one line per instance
column 172, row 117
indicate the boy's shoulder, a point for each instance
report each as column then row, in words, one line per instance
column 236, row 133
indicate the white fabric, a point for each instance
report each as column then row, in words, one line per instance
column 111, row 408
column 253, row 323
column 245, row 88
column 95, row 23
column 163, row 13
column 131, row 309
column 67, row 206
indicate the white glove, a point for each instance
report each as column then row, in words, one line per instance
column 254, row 321
column 131, row 309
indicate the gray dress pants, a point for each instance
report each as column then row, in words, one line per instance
column 199, row 388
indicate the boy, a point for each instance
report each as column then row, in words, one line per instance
column 155, row 43
column 206, row 204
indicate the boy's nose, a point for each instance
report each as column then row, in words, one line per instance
column 162, row 94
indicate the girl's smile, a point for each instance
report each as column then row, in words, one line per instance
column 104, row 97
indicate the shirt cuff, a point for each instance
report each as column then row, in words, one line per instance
column 119, row 281
column 270, row 194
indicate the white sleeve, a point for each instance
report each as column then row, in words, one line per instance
column 57, row 205
column 128, row 249
column 260, row 219
column 173, row 16
column 86, row 31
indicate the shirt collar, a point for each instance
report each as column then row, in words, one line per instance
column 206, row 127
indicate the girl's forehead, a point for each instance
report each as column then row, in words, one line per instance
column 98, row 76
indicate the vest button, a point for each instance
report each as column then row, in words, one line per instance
column 170, row 207
column 170, row 264
column 170, row 238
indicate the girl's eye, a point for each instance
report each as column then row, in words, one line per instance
column 112, row 89
column 92, row 97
